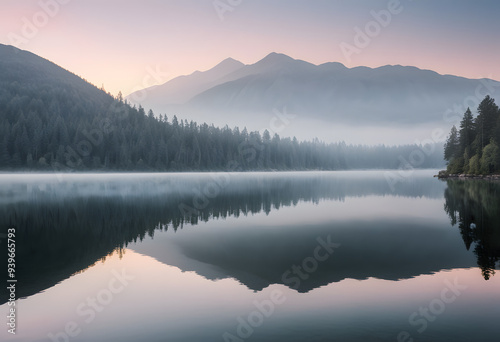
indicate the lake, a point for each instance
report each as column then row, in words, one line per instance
column 277, row 256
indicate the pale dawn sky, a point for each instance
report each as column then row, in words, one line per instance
column 119, row 43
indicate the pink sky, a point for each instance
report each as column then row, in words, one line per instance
column 115, row 42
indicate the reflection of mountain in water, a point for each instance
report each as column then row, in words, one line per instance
column 475, row 206
column 65, row 226
column 390, row 250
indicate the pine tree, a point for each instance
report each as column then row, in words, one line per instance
column 467, row 131
column 485, row 122
column 452, row 146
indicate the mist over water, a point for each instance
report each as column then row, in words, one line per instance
column 226, row 240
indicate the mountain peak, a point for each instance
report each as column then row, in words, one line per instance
column 229, row 63
column 182, row 88
column 332, row 66
column 275, row 57
column 230, row 60
column 279, row 62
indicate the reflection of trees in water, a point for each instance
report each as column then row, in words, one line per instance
column 65, row 227
column 475, row 206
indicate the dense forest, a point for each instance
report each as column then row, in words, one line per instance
column 474, row 148
column 52, row 120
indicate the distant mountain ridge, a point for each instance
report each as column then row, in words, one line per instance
column 183, row 88
column 328, row 92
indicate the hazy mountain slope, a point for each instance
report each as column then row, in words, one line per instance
column 329, row 93
column 183, row 88
column 25, row 77
column 274, row 63
column 389, row 94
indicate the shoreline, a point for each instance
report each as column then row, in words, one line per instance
column 443, row 175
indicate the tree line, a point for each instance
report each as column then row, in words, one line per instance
column 68, row 124
column 474, row 148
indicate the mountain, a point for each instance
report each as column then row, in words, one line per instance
column 210, row 260
column 51, row 119
column 26, row 77
column 328, row 94
column 182, row 88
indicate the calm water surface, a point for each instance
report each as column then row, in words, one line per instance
column 299, row 256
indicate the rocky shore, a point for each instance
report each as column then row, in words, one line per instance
column 443, row 174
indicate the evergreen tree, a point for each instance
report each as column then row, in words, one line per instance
column 490, row 161
column 485, row 122
column 467, row 131
column 474, row 149
column 452, row 145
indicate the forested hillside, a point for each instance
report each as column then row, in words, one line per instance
column 50, row 119
column 474, row 148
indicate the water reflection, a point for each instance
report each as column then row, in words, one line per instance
column 475, row 206
column 67, row 224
